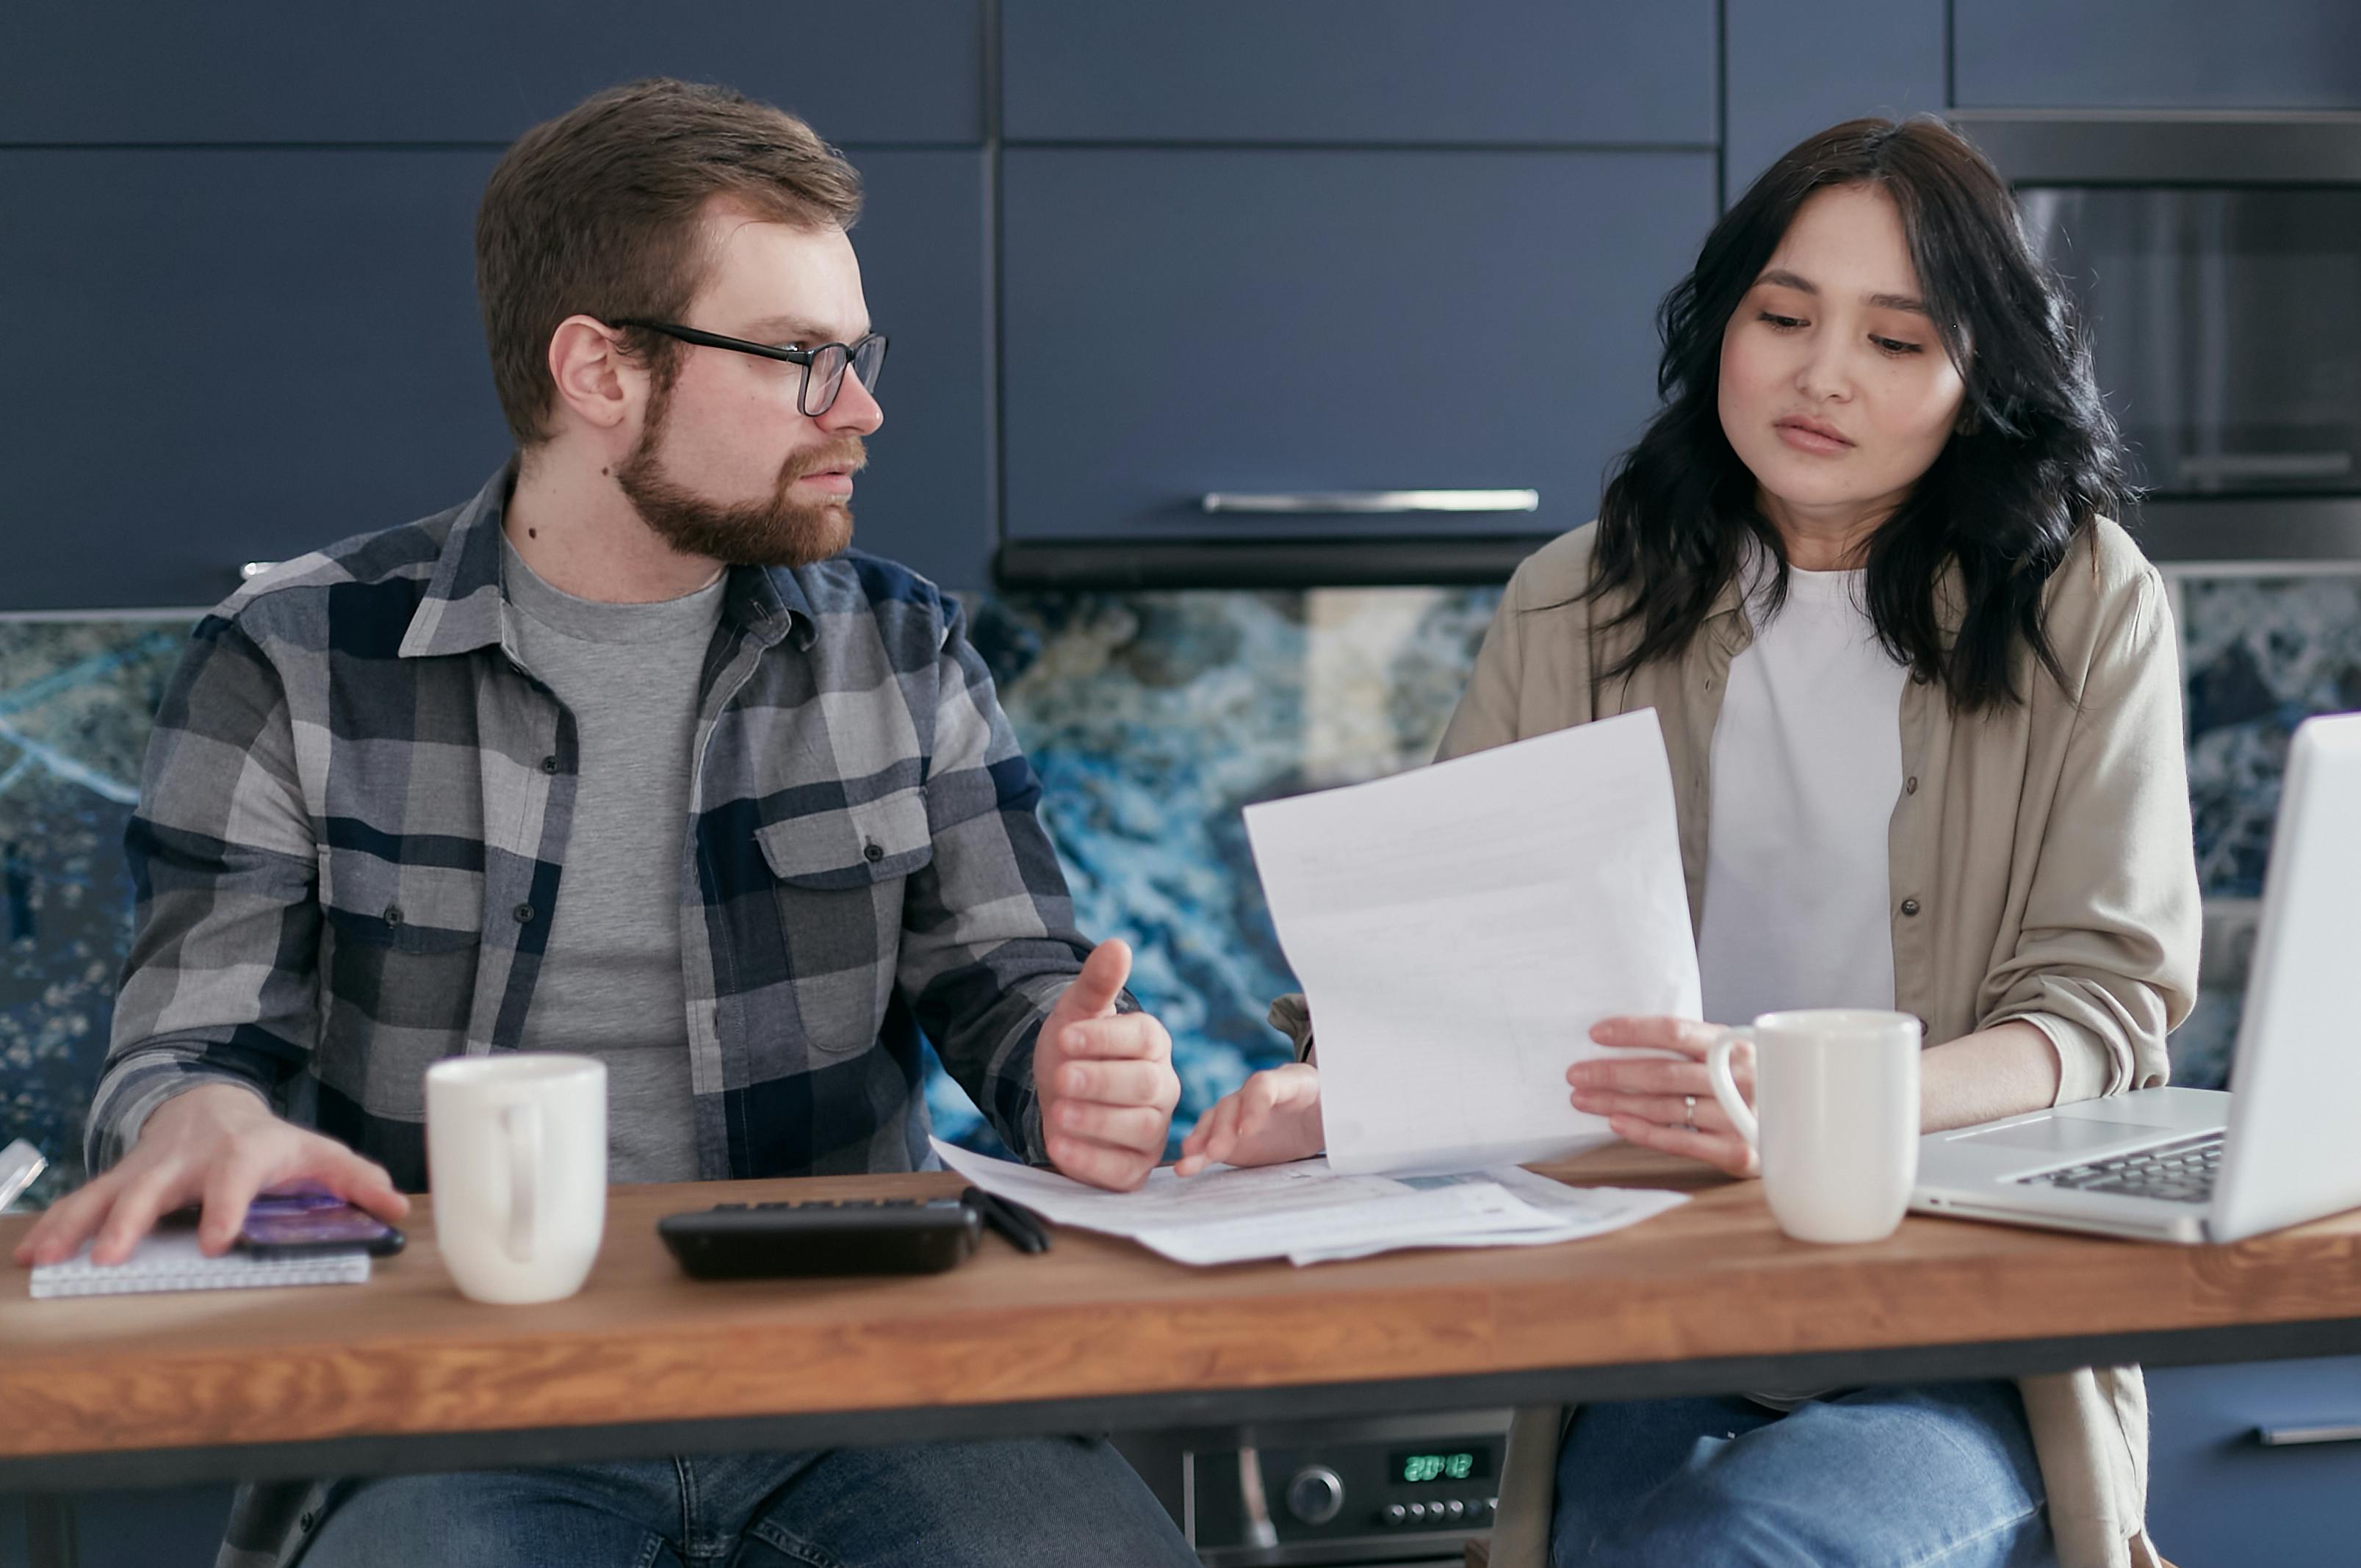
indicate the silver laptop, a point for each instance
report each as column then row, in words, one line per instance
column 2193, row 1165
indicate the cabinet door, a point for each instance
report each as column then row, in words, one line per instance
column 242, row 355
column 444, row 70
column 1782, row 82
column 926, row 498
column 2217, row 1493
column 239, row 355
column 1178, row 321
column 2157, row 54
column 1389, row 72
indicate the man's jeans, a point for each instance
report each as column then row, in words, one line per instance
column 1941, row 1476
column 1041, row 1503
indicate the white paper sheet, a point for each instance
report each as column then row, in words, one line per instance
column 1458, row 929
column 1308, row 1214
column 1472, row 1214
column 1579, row 1212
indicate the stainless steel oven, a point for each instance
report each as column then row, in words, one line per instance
column 1361, row 1492
column 2218, row 258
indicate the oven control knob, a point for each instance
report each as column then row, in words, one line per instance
column 1316, row 1495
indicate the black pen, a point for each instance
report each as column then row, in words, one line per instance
column 1027, row 1220
column 1018, row 1227
column 1005, row 1218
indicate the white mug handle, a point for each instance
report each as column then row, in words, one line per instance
column 1725, row 1088
column 520, row 1127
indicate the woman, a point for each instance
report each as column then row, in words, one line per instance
column 1921, row 699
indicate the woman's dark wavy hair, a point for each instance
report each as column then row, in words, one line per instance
column 2036, row 458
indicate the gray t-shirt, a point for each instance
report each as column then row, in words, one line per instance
column 610, row 983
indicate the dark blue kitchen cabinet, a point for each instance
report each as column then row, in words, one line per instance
column 1389, row 72
column 2218, row 1494
column 923, row 239
column 1185, row 321
column 239, row 355
column 1782, row 81
column 2157, row 54
column 461, row 71
column 176, row 1527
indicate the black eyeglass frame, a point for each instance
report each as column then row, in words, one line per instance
column 802, row 358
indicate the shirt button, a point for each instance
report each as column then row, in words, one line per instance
column 1909, row 906
column 549, row 763
column 1910, row 786
column 306, row 1522
column 873, row 853
column 393, row 914
column 524, row 914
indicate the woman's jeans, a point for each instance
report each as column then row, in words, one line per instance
column 1941, row 1476
column 1035, row 1503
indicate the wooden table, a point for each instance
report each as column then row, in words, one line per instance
column 1100, row 1335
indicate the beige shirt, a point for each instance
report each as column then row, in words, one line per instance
column 2042, row 869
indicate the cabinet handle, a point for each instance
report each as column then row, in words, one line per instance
column 2291, row 1437
column 1374, row 500
column 253, row 569
column 2267, row 466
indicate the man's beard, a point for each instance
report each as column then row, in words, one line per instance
column 781, row 530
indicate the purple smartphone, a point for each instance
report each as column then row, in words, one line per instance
column 288, row 1224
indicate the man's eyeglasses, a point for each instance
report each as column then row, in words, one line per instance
column 823, row 366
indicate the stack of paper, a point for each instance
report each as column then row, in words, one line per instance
column 1307, row 1213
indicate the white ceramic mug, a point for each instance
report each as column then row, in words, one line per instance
column 516, row 1154
column 1835, row 1091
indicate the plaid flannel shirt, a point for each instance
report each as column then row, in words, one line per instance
column 351, row 842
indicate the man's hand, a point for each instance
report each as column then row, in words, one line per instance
column 218, row 1145
column 1105, row 1080
column 1273, row 1117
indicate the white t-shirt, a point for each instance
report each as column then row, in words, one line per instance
column 1806, row 769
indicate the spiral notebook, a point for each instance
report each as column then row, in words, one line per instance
column 168, row 1260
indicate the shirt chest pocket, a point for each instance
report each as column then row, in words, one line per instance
column 398, row 961
column 856, row 846
column 378, row 903
column 842, row 876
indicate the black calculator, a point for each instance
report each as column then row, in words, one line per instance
column 819, row 1236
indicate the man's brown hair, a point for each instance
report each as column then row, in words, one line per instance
column 597, row 212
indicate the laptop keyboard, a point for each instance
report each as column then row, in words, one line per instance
column 2178, row 1172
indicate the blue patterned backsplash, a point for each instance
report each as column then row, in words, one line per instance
column 75, row 701
column 1152, row 719
column 2261, row 654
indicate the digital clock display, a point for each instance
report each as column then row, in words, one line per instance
column 1439, row 1467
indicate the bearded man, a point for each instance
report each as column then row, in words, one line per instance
column 631, row 756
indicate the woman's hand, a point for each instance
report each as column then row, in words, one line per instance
column 1273, row 1117
column 1662, row 1105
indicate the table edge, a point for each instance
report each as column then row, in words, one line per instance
column 89, row 1470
